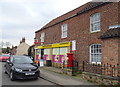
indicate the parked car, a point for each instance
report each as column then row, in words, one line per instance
column 4, row 57
column 29, row 56
column 21, row 67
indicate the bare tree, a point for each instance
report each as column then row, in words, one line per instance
column 2, row 44
column 7, row 44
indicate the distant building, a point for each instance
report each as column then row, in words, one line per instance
column 4, row 50
column 22, row 48
column 13, row 50
column 31, row 51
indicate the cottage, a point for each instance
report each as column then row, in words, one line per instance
column 22, row 48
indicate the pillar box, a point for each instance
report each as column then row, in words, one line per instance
column 70, row 58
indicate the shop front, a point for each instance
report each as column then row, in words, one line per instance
column 54, row 54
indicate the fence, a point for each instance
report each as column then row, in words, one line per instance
column 103, row 69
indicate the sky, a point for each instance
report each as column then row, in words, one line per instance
column 21, row 18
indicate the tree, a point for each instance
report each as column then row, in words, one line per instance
column 7, row 44
column 8, row 50
column 1, row 44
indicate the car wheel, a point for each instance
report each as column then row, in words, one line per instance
column 12, row 77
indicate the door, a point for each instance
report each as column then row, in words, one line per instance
column 42, row 53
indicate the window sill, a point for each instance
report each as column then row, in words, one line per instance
column 95, row 63
column 64, row 38
column 95, row 31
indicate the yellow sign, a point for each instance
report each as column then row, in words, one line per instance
column 65, row 44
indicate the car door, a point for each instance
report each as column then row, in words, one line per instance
column 9, row 64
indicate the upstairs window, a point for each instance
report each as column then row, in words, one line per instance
column 95, row 22
column 96, row 53
column 64, row 31
column 42, row 36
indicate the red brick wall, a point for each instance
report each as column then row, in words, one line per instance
column 110, row 51
column 79, row 30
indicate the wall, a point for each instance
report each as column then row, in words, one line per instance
column 100, row 79
column 110, row 51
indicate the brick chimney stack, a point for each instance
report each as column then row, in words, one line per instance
column 23, row 39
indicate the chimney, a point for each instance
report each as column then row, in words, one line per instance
column 23, row 39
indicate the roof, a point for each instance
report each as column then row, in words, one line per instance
column 32, row 45
column 82, row 9
column 111, row 33
column 92, row 5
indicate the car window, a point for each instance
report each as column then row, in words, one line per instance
column 6, row 55
column 18, row 60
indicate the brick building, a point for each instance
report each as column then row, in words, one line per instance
column 91, row 32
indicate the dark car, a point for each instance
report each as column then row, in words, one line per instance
column 21, row 67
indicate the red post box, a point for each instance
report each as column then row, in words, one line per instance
column 70, row 58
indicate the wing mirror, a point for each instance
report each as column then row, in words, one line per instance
column 8, row 61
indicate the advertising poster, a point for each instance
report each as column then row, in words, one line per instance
column 74, row 45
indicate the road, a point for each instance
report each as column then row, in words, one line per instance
column 5, row 80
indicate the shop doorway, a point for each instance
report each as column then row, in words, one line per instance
column 42, row 53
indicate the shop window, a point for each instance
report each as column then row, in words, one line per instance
column 95, row 22
column 64, row 31
column 56, row 53
column 63, row 50
column 47, row 54
column 96, row 53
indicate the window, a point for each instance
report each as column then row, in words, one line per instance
column 42, row 36
column 96, row 53
column 64, row 31
column 95, row 22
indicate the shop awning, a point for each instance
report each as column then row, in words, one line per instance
column 64, row 44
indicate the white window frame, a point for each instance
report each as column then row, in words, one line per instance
column 42, row 36
column 64, row 30
column 95, row 22
column 96, row 53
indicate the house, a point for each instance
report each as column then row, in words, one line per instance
column 31, row 51
column 90, row 32
column 4, row 50
column 13, row 50
column 22, row 48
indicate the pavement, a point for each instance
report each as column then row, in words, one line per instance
column 55, row 76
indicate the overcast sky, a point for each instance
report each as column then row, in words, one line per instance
column 21, row 18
